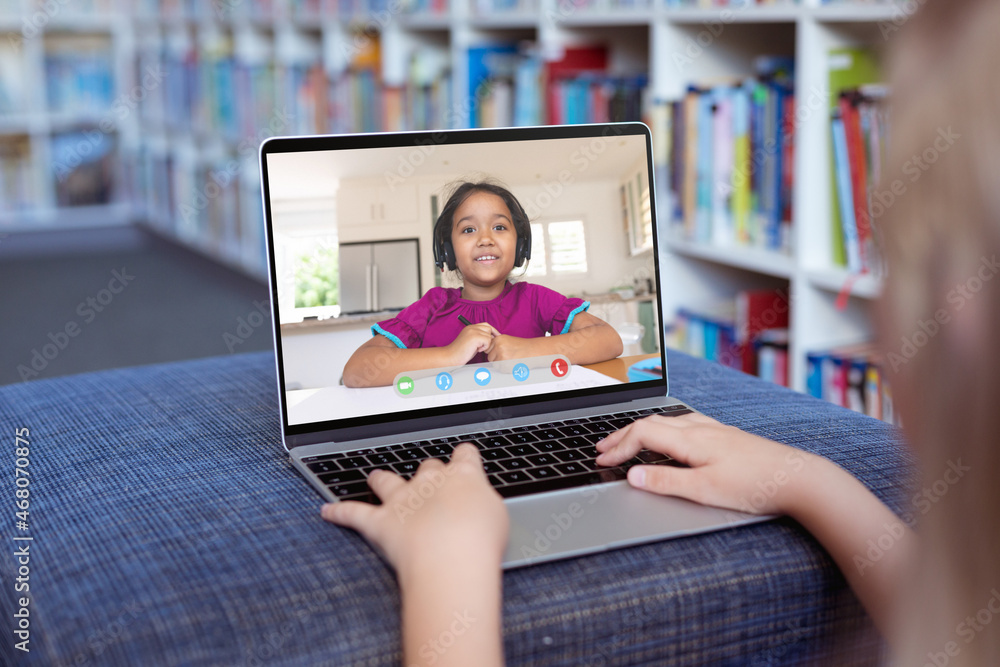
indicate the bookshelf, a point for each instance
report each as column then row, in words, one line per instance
column 186, row 160
column 63, row 120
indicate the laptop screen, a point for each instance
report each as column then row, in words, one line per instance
column 430, row 274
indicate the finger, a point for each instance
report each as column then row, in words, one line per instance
column 429, row 464
column 623, row 444
column 668, row 481
column 467, row 453
column 613, row 438
column 384, row 483
column 350, row 514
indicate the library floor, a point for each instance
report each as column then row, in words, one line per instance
column 84, row 300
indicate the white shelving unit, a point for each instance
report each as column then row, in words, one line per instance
column 30, row 121
column 170, row 160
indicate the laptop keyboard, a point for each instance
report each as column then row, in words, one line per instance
column 518, row 461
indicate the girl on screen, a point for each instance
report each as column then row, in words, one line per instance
column 482, row 233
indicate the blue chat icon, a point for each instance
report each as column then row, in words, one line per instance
column 482, row 377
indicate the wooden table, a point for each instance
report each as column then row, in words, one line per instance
column 618, row 368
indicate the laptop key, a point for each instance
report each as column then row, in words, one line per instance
column 494, row 454
column 349, row 489
column 492, row 467
column 542, row 459
column 412, row 454
column 341, row 477
column 439, row 451
column 574, row 429
column 648, row 456
column 354, row 462
column 548, row 434
column 544, row 472
column 514, row 477
column 522, row 450
column 600, row 427
column 324, row 457
column 567, row 482
column 368, row 497
column 514, row 464
column 570, row 455
column 405, row 467
column 522, row 438
column 548, row 446
column 493, row 441
column 323, row 466
column 570, row 468
column 382, row 458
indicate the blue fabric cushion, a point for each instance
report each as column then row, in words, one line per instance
column 169, row 528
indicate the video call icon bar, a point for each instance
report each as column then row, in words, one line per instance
column 490, row 375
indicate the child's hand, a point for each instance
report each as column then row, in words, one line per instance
column 509, row 347
column 729, row 467
column 471, row 340
column 447, row 513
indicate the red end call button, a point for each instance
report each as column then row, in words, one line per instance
column 560, row 368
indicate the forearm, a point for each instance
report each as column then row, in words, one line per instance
column 452, row 615
column 378, row 366
column 588, row 345
column 868, row 542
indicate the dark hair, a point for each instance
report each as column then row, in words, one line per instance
column 444, row 252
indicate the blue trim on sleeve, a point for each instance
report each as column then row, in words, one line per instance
column 376, row 329
column 569, row 320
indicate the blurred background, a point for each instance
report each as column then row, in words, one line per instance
column 131, row 226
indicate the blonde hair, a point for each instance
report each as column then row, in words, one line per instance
column 940, row 321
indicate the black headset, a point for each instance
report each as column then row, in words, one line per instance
column 444, row 251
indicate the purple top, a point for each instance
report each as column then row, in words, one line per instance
column 522, row 309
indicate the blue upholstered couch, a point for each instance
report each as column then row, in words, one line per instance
column 168, row 528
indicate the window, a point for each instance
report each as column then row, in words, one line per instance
column 316, row 274
column 557, row 248
column 307, row 262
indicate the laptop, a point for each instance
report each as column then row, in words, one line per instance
column 349, row 222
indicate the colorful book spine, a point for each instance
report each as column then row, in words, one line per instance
column 845, row 193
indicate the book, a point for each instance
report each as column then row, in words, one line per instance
column 851, row 376
column 731, row 162
column 575, row 61
column 848, row 69
column 733, row 333
column 844, row 183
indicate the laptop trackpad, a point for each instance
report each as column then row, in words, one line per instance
column 602, row 517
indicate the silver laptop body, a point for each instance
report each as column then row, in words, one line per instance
column 375, row 197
